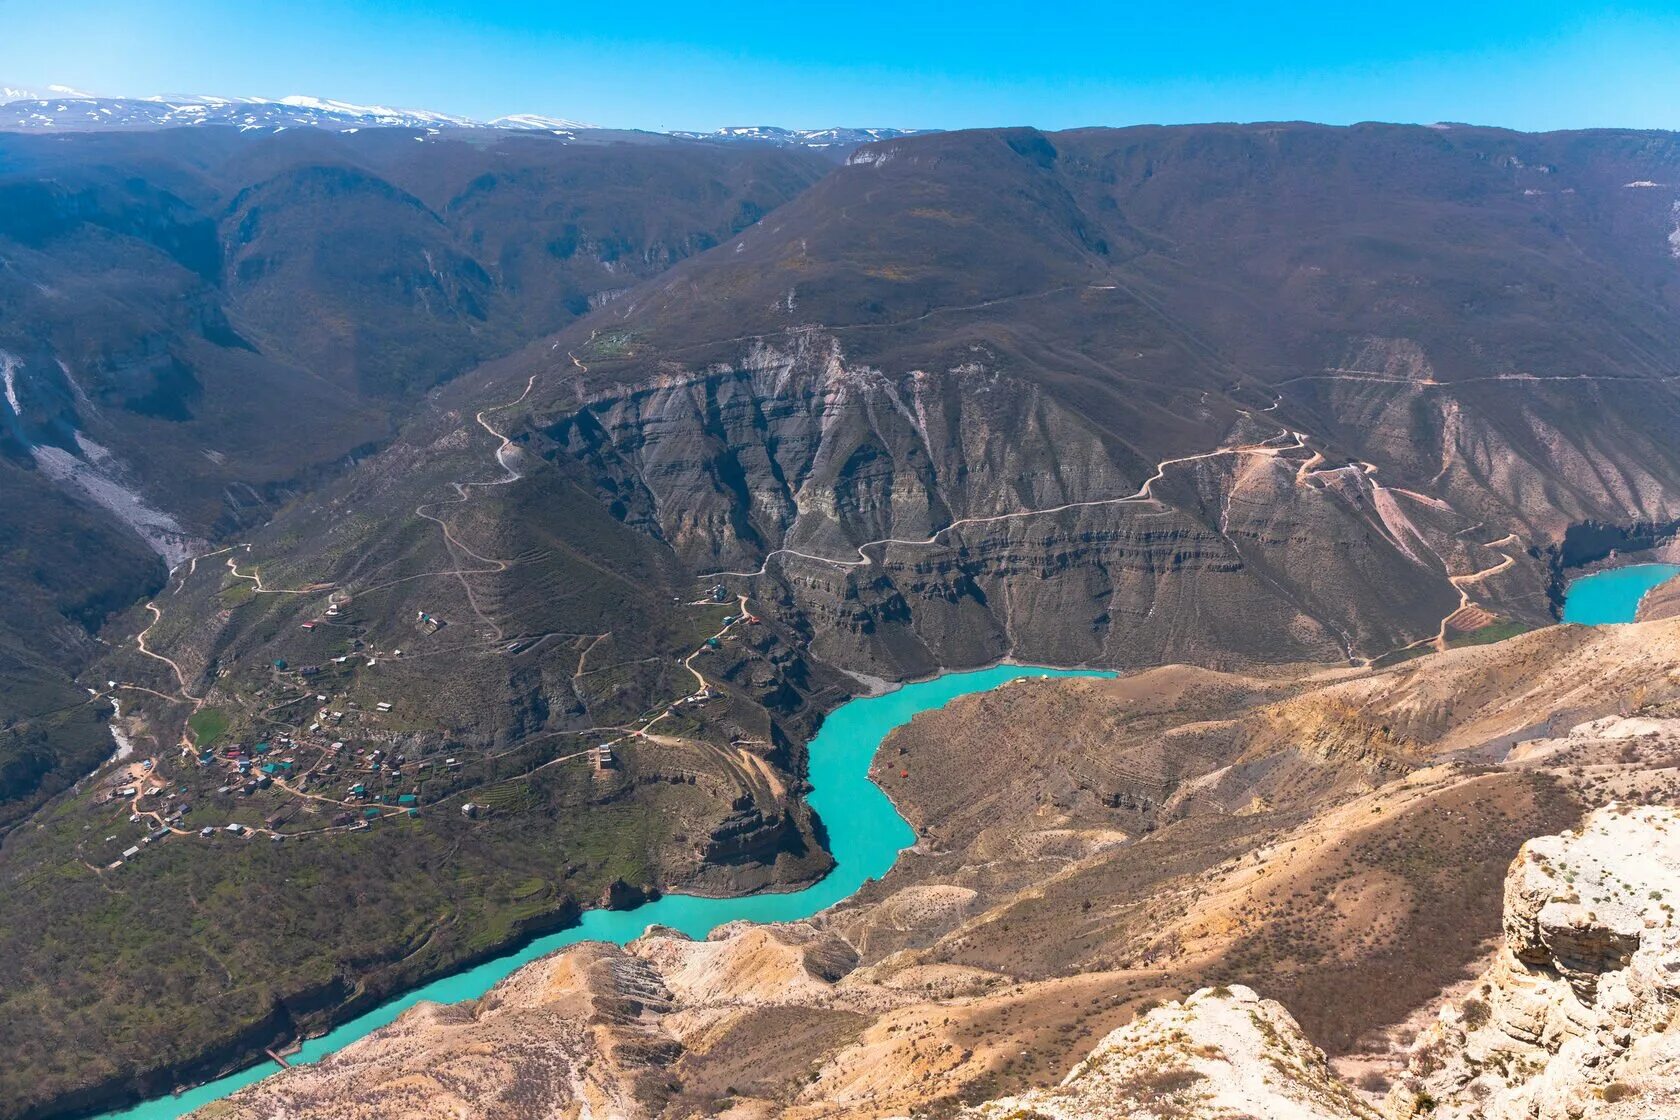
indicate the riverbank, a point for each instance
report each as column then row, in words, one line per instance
column 1613, row 595
column 866, row 834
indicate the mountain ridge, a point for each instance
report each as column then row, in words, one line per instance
column 63, row 109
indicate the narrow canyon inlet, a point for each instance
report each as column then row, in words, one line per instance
column 527, row 598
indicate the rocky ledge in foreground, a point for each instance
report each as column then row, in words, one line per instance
column 1576, row 1017
column 1574, row 1020
column 1222, row 1052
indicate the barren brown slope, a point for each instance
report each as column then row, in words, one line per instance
column 1222, row 394
column 1347, row 868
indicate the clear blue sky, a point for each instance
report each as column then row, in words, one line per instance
column 1535, row 64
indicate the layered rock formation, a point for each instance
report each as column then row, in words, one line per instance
column 1575, row 1019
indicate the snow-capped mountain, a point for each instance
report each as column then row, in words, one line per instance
column 62, row 109
column 65, row 110
column 801, row 137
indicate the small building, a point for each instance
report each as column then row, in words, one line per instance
column 236, row 829
column 370, row 814
column 713, row 643
column 130, row 853
column 383, row 705
column 469, row 810
column 408, row 799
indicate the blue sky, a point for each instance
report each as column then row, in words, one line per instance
column 1530, row 65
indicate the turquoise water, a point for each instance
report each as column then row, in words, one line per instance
column 865, row 834
column 1612, row 595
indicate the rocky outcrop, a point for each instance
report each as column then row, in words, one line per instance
column 1221, row 1052
column 1020, row 941
column 1662, row 601
column 1574, row 1019
column 953, row 516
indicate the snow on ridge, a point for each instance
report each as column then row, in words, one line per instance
column 61, row 108
column 537, row 122
column 8, row 373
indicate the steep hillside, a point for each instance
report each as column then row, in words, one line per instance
column 1234, row 397
column 1229, row 396
column 197, row 325
column 1219, row 394
column 1044, row 932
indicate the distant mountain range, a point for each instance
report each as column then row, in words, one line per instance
column 64, row 109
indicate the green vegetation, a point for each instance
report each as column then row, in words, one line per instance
column 611, row 344
column 1399, row 656
column 208, row 725
column 1495, row 632
column 62, row 572
column 191, row 942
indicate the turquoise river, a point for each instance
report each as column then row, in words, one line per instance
column 1612, row 595
column 865, row 834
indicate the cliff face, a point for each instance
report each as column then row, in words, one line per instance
column 1573, row 1020
column 908, row 521
column 1575, row 1017
column 1176, row 829
column 1128, row 444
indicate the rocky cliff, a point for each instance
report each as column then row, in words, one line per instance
column 1575, row 1019
column 1340, row 841
column 1221, row 1052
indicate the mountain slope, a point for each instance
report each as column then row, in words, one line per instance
column 1229, row 396
column 1347, row 381
column 1044, row 933
column 196, row 325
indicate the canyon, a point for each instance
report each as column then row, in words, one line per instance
column 1301, row 429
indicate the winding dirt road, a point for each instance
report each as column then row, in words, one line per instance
column 1142, row 494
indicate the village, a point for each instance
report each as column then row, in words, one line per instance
column 328, row 760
